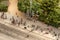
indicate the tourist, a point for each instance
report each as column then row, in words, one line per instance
column 24, row 23
column 5, row 16
column 18, row 23
column 33, row 26
column 25, row 27
column 13, row 20
column 37, row 27
column 2, row 16
column 21, row 20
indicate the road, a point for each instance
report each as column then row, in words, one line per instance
column 10, row 32
column 15, row 34
column 5, row 37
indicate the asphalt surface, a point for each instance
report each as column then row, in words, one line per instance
column 16, row 34
column 10, row 32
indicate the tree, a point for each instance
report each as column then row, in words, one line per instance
column 49, row 6
column 49, row 14
column 3, row 5
column 47, row 10
column 13, row 8
column 2, row 0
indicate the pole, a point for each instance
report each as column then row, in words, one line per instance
column 30, row 8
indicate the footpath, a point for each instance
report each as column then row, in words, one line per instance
column 35, row 29
column 38, row 36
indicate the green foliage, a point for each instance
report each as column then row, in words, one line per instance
column 48, row 10
column 49, row 5
column 3, row 0
column 3, row 6
column 23, row 5
column 49, row 13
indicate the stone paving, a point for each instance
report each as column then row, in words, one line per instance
column 32, row 26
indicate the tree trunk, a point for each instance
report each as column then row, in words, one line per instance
column 13, row 8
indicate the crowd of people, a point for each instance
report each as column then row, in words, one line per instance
column 32, row 26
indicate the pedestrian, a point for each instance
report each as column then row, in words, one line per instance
column 25, row 27
column 27, row 36
column 18, row 23
column 21, row 20
column 2, row 15
column 24, row 23
column 13, row 21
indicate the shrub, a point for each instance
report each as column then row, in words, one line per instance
column 3, row 5
column 47, row 10
column 3, row 8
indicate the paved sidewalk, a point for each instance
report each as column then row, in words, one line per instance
column 32, row 33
